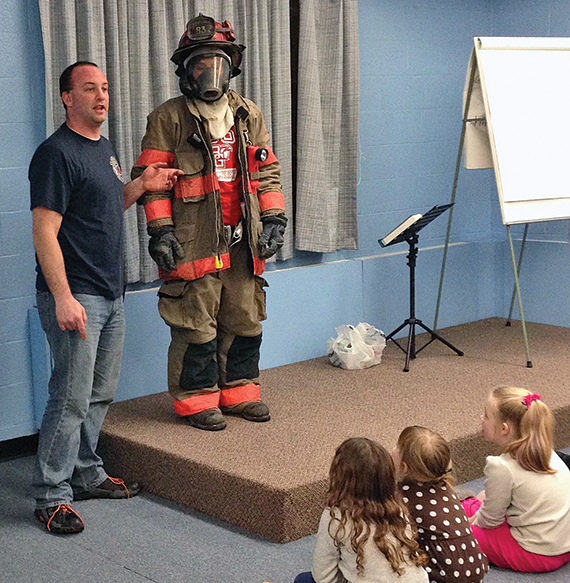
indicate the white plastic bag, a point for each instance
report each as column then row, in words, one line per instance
column 356, row 347
column 374, row 338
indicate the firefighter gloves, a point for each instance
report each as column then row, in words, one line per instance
column 164, row 247
column 271, row 239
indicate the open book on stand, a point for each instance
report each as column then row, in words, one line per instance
column 412, row 225
column 400, row 229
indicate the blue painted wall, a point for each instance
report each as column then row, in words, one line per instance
column 21, row 129
column 413, row 60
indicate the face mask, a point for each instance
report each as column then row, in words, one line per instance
column 208, row 74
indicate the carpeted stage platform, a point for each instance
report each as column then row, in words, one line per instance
column 270, row 478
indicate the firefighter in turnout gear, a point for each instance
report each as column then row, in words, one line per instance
column 210, row 235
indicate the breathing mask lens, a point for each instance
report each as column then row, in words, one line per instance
column 209, row 75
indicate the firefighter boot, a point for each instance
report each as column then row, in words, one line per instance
column 251, row 410
column 210, row 420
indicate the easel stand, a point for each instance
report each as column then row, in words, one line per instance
column 411, row 236
column 516, row 265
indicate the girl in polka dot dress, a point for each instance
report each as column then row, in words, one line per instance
column 365, row 535
column 522, row 518
column 423, row 462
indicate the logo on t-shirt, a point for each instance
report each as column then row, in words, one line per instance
column 226, row 157
column 116, row 168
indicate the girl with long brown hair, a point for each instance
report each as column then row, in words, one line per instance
column 522, row 518
column 365, row 534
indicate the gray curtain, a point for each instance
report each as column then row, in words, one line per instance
column 327, row 126
column 132, row 41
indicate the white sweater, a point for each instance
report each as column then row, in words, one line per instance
column 332, row 565
column 536, row 506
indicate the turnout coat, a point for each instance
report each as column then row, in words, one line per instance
column 176, row 134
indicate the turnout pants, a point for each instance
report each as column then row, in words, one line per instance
column 215, row 322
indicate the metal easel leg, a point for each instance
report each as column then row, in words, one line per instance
column 454, row 191
column 518, row 291
column 508, row 322
column 446, row 244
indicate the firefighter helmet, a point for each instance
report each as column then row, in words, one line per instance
column 204, row 31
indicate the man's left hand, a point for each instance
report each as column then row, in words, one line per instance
column 271, row 239
column 157, row 177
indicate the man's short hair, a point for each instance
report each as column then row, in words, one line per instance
column 65, row 77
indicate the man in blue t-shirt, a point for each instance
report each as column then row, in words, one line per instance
column 77, row 200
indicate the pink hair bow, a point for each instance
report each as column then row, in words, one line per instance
column 530, row 398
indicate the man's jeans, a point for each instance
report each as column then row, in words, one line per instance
column 83, row 383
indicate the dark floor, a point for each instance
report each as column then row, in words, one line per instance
column 146, row 539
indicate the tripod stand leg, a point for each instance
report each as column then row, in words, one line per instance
column 411, row 351
column 440, row 338
column 394, row 332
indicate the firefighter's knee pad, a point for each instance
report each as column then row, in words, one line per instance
column 199, row 367
column 243, row 358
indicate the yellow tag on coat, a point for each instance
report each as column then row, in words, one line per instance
column 219, row 262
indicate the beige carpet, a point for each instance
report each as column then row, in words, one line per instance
column 270, row 478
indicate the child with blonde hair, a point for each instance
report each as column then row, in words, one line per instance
column 364, row 535
column 522, row 519
column 423, row 463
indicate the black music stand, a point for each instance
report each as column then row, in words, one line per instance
column 410, row 234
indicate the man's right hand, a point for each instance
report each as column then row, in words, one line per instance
column 71, row 315
column 164, row 247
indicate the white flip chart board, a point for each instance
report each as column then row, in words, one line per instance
column 525, row 85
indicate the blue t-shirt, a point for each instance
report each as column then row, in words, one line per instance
column 81, row 179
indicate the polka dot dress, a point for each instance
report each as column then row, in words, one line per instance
column 444, row 534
